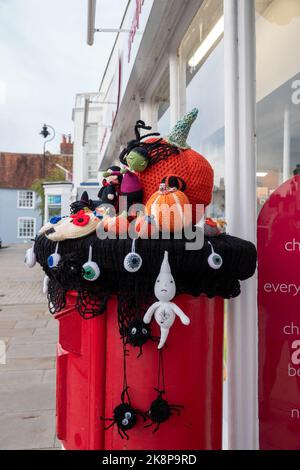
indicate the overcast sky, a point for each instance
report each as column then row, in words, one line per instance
column 44, row 62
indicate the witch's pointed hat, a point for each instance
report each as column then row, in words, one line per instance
column 180, row 132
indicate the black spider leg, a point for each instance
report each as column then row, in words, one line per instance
column 120, row 431
column 152, row 424
column 110, row 425
column 140, row 352
column 176, row 408
column 142, row 414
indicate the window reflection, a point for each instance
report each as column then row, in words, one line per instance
column 278, row 93
column 205, row 91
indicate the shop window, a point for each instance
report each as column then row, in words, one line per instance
column 26, row 200
column 278, row 94
column 162, row 98
column 54, row 205
column 203, row 51
column 26, row 227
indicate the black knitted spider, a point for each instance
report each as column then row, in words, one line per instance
column 125, row 416
column 137, row 334
column 160, row 411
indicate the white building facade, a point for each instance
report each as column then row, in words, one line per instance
column 88, row 121
column 238, row 61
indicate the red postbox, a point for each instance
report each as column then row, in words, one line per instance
column 89, row 379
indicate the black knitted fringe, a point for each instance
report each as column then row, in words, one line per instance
column 134, row 291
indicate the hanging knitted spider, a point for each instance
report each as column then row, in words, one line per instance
column 160, row 411
column 164, row 310
column 137, row 334
column 124, row 415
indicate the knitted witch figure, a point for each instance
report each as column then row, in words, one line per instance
column 164, row 310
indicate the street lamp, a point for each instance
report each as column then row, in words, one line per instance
column 45, row 133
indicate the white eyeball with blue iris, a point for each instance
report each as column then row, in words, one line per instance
column 91, row 270
column 30, row 257
column 132, row 261
column 54, row 259
column 214, row 260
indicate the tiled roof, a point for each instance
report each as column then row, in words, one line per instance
column 20, row 170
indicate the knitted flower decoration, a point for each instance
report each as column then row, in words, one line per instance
column 80, row 218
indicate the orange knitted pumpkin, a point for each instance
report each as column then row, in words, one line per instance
column 192, row 167
column 170, row 208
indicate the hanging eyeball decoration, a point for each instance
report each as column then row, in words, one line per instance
column 30, row 257
column 164, row 310
column 133, row 261
column 91, row 270
column 214, row 260
column 54, row 259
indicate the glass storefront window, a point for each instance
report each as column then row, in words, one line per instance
column 91, row 151
column 162, row 98
column 203, row 50
column 54, row 205
column 278, row 94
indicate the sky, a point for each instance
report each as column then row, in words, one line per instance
column 44, row 62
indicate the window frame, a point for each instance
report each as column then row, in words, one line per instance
column 19, row 226
column 32, row 207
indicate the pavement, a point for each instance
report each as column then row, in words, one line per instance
column 27, row 379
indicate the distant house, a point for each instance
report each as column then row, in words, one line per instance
column 20, row 219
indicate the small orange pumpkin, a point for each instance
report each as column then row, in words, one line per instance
column 170, row 208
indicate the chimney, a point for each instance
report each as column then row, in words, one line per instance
column 66, row 147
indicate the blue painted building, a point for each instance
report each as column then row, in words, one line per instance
column 20, row 219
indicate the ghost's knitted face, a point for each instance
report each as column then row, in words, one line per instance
column 165, row 288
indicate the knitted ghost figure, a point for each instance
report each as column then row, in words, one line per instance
column 164, row 310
